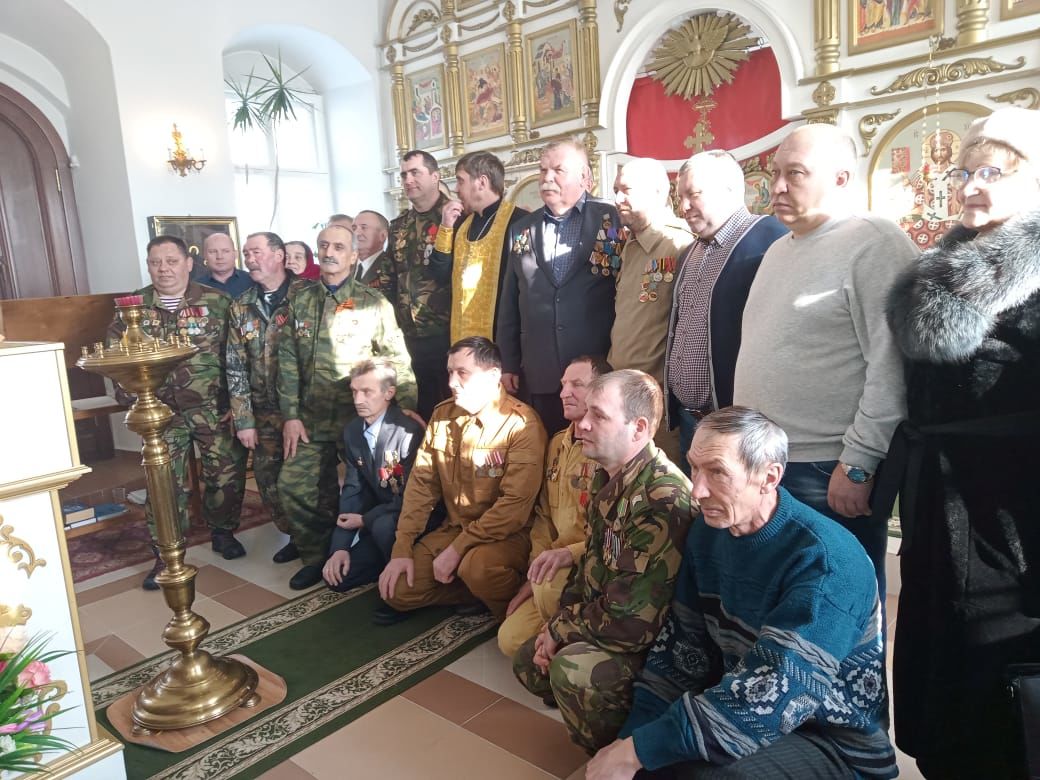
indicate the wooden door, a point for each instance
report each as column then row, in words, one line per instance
column 41, row 251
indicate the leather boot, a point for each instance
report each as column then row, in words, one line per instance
column 149, row 580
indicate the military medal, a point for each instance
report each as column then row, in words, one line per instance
column 669, row 269
column 496, row 470
column 347, row 305
column 431, row 237
column 553, row 472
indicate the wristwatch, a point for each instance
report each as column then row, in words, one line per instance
column 856, row 474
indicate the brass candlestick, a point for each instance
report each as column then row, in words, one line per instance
column 196, row 687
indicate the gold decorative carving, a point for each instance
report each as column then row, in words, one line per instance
column 868, row 127
column 463, row 28
column 524, row 157
column 827, row 35
column 620, row 9
column 947, row 72
column 590, row 143
column 14, row 616
column 400, row 104
column 824, row 94
column 448, row 7
column 537, row 3
column 1028, row 95
column 701, row 135
column 588, row 54
column 446, row 33
column 508, row 10
column 425, row 16
column 516, row 81
column 815, row 116
column 420, row 46
column 701, row 54
column 391, row 54
column 972, row 18
column 19, row 551
column 453, row 93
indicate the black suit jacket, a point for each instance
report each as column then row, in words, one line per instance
column 543, row 325
column 362, row 494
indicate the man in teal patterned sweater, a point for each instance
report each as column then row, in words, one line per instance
column 770, row 663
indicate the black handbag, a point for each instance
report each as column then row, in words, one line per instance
column 1024, row 689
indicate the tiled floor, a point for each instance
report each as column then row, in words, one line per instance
column 472, row 719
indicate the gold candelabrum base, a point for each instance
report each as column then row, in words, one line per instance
column 196, row 687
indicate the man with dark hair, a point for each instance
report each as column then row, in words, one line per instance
column 196, row 391
column 558, row 295
column 334, row 324
column 257, row 322
column 558, row 529
column 370, row 232
column 482, row 457
column 587, row 655
column 770, row 662
column 421, row 301
column 471, row 252
column 219, row 253
column 379, row 447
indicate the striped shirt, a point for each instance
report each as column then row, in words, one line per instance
column 689, row 371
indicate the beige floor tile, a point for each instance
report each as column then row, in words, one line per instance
column 213, row 580
column 96, row 668
column 450, row 696
column 109, row 589
column 145, row 635
column 250, row 599
column 485, row 665
column 532, row 736
column 436, row 749
column 578, row 774
column 287, row 770
column 111, row 615
column 138, row 570
column 117, row 653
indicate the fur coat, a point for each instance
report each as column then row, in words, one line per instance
column 967, row 318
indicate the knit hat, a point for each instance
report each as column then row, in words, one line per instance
column 1017, row 128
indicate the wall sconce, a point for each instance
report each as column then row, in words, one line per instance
column 180, row 161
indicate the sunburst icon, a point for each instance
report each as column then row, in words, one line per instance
column 701, row 53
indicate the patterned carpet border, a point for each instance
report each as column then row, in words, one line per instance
column 260, row 739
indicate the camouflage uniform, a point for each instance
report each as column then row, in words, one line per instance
column 617, row 597
column 421, row 303
column 329, row 333
column 252, row 376
column 196, row 391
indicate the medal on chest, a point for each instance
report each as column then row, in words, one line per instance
column 655, row 272
column 429, row 239
column 391, row 473
column 612, row 536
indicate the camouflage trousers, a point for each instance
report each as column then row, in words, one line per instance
column 267, row 463
column 308, row 487
column 592, row 687
column 223, row 461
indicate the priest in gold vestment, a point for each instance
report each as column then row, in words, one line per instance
column 471, row 249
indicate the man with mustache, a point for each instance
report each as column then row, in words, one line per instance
column 333, row 325
column 558, row 294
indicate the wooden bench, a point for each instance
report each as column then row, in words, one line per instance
column 75, row 321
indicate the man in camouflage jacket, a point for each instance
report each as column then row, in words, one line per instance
column 421, row 303
column 332, row 326
column 196, row 391
column 617, row 597
column 257, row 321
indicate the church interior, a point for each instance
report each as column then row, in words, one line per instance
column 114, row 130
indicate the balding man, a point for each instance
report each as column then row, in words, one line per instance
column 220, row 255
column 816, row 355
column 370, row 232
column 710, row 290
column 558, row 295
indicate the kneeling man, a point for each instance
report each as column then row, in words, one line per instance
column 379, row 446
column 587, row 655
column 482, row 456
column 771, row 662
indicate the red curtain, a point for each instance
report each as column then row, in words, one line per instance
column 747, row 109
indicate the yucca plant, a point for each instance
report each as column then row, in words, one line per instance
column 271, row 101
column 24, row 696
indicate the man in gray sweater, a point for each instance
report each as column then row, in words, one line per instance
column 816, row 354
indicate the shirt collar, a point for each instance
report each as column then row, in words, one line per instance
column 376, row 424
column 616, row 486
column 577, row 208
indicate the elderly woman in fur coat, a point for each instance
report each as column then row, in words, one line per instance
column 967, row 318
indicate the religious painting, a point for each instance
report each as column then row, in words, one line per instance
column 909, row 178
column 426, row 102
column 194, row 231
column 483, row 84
column 1012, row 9
column 552, row 66
column 876, row 24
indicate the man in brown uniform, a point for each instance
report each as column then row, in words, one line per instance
column 482, row 456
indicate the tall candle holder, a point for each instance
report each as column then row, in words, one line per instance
column 196, row 687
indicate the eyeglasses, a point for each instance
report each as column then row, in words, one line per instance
column 987, row 174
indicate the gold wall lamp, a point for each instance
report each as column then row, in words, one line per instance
column 180, row 160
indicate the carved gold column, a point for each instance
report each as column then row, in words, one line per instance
column 397, row 97
column 454, row 92
column 826, row 35
column 515, row 81
column 588, row 55
column 972, row 17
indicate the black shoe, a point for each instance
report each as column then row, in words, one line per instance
column 225, row 543
column 306, row 577
column 550, row 701
column 286, row 554
column 149, row 579
column 385, row 615
column 476, row 608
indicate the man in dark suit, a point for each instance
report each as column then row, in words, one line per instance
column 370, row 232
column 558, row 295
column 380, row 445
